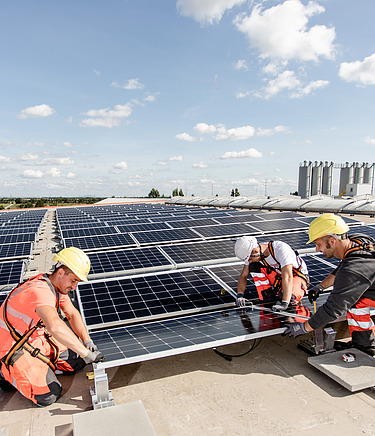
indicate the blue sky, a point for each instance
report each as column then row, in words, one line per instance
column 118, row 97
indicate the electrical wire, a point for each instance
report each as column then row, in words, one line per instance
column 229, row 357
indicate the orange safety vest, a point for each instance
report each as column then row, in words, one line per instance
column 22, row 339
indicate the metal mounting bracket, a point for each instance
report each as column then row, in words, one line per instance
column 101, row 396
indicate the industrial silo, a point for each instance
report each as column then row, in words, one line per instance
column 327, row 179
column 346, row 177
column 358, row 173
column 304, row 180
column 316, row 178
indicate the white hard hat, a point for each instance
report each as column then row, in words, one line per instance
column 244, row 246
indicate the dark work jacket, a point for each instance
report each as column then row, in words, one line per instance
column 354, row 279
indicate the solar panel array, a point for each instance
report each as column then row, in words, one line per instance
column 164, row 277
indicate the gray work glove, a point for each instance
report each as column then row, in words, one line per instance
column 295, row 329
column 90, row 345
column 93, row 357
column 240, row 301
column 282, row 305
column 314, row 293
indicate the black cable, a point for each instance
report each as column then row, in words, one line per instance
column 229, row 357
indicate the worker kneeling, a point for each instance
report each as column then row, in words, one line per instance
column 279, row 273
column 35, row 343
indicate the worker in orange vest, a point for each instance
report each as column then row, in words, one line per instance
column 35, row 343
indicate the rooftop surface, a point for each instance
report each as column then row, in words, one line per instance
column 273, row 390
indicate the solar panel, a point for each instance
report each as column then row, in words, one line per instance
column 278, row 215
column 123, row 300
column 192, row 223
column 16, row 238
column 15, row 251
column 226, row 230
column 279, row 225
column 127, row 261
column 366, row 230
column 184, row 334
column 142, row 227
column 91, row 231
column 318, row 268
column 11, row 273
column 348, row 220
column 239, row 218
column 230, row 274
column 99, row 242
column 297, row 240
column 161, row 236
column 200, row 252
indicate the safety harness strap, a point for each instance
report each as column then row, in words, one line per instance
column 22, row 340
column 361, row 246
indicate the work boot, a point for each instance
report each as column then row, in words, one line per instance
column 341, row 345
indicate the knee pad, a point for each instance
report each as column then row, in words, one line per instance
column 50, row 397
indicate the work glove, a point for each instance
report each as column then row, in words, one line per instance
column 295, row 329
column 90, row 345
column 282, row 305
column 314, row 293
column 93, row 357
column 241, row 301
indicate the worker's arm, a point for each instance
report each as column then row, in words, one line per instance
column 287, row 282
column 328, row 281
column 75, row 321
column 242, row 281
column 59, row 330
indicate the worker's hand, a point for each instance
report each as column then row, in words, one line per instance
column 93, row 357
column 282, row 305
column 295, row 329
column 90, row 345
column 314, row 293
column 241, row 301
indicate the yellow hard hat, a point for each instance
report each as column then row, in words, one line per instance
column 327, row 224
column 76, row 260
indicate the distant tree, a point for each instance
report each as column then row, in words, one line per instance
column 235, row 193
column 180, row 193
column 39, row 203
column 18, row 201
column 294, row 193
column 175, row 192
column 154, row 193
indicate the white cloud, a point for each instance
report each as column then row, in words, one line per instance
column 310, row 88
column 200, row 165
column 244, row 182
column 285, row 80
column 5, row 159
column 130, row 85
column 57, row 161
column 39, row 111
column 204, row 129
column 162, row 163
column 207, row 11
column 28, row 156
column 370, row 140
column 176, row 158
column 185, row 137
column 270, row 132
column 107, row 117
column 207, row 181
column 250, row 153
column 70, row 175
column 281, row 32
column 242, row 94
column 53, row 172
column 32, row 174
column 362, row 72
column 234, row 134
column 67, row 144
column 241, row 64
column 121, row 166
column 150, row 98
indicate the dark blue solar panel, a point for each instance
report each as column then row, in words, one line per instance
column 279, row 225
column 127, row 299
column 11, row 273
column 161, row 236
column 15, row 251
column 16, row 238
column 226, row 230
column 91, row 231
column 192, row 222
column 100, row 242
column 142, row 227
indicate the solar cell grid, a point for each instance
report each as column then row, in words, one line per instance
column 239, row 218
column 279, row 225
column 100, row 242
column 296, row 240
column 90, row 231
column 226, row 230
column 318, row 268
column 127, row 260
column 189, row 333
column 191, row 222
column 200, row 251
column 16, row 238
column 142, row 227
column 11, row 273
column 12, row 251
column 160, row 236
column 278, row 215
column 366, row 230
column 123, row 300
